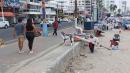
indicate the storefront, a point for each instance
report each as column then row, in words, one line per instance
column 10, row 10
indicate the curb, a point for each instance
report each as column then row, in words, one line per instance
column 28, row 61
column 61, row 62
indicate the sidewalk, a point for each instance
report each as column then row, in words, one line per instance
column 103, row 60
column 9, row 56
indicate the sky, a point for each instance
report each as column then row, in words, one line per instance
column 118, row 2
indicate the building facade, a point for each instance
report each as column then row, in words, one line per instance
column 30, row 7
column 9, row 9
column 83, row 5
column 124, row 7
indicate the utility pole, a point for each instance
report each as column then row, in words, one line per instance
column 43, row 9
column 14, row 12
column 57, row 9
column 76, row 15
column 2, row 9
column 91, row 11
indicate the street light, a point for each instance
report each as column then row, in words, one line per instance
column 75, row 8
column 75, row 12
column 57, row 9
column 43, row 9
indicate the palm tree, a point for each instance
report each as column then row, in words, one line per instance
column 113, row 8
column 119, row 11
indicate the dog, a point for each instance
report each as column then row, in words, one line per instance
column 2, row 43
column 114, row 44
column 67, row 37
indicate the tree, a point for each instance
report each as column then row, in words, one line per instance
column 119, row 11
column 113, row 8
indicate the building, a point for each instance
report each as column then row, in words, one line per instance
column 124, row 7
column 30, row 8
column 51, row 9
column 9, row 9
column 80, row 5
column 83, row 6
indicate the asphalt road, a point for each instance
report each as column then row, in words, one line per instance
column 6, row 34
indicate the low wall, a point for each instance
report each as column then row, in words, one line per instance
column 62, row 61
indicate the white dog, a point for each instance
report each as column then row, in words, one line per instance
column 67, row 37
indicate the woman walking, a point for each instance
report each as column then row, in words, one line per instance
column 30, row 34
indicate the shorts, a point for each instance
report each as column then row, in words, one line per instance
column 21, row 38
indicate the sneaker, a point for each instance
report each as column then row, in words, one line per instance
column 20, row 52
column 31, row 52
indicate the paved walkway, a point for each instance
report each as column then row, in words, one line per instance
column 9, row 55
column 106, row 61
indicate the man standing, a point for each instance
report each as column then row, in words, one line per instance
column 19, row 30
column 55, row 26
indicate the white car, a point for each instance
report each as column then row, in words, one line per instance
column 4, row 24
column 51, row 21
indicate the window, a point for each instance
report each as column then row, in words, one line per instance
column 31, row 0
column 87, row 1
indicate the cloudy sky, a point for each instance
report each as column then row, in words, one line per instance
column 119, row 1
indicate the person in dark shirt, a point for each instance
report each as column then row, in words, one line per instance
column 30, row 33
column 55, row 26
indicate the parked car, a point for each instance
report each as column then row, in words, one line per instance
column 4, row 23
column 51, row 21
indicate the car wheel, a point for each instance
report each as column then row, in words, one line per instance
column 6, row 26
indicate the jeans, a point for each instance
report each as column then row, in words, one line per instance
column 91, row 47
column 55, row 32
column 30, row 37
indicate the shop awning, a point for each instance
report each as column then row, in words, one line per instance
column 8, row 14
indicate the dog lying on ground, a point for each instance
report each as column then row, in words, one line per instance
column 1, row 43
column 67, row 37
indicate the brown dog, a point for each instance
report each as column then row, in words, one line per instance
column 2, row 43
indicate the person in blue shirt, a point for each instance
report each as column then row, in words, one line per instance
column 19, row 31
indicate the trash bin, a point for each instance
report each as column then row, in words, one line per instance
column 88, row 25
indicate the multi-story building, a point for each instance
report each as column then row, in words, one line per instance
column 124, row 7
column 83, row 5
column 31, row 8
column 80, row 5
column 51, row 9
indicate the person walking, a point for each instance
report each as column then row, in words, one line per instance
column 30, row 28
column 55, row 26
column 19, row 30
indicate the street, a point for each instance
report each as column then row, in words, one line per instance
column 6, row 34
